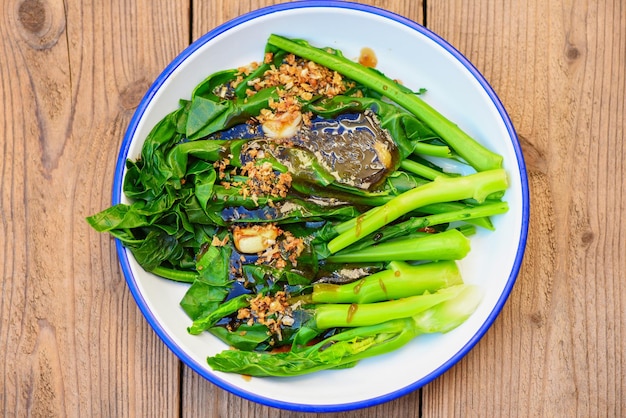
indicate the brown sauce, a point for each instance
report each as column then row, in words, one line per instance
column 351, row 311
column 382, row 285
column 358, row 287
column 368, row 57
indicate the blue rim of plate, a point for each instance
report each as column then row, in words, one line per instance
column 169, row 341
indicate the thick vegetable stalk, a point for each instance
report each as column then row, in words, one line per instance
column 399, row 280
column 348, row 347
column 447, row 245
column 474, row 186
column 477, row 214
column 473, row 152
column 340, row 315
column 399, row 291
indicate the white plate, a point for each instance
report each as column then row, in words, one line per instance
column 419, row 58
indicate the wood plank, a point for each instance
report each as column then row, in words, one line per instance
column 557, row 348
column 73, row 341
column 207, row 15
column 201, row 398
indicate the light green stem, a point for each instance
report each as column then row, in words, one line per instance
column 443, row 189
column 468, row 148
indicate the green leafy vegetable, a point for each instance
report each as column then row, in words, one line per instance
column 473, row 152
column 331, row 243
column 350, row 346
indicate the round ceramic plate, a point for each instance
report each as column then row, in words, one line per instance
column 419, row 58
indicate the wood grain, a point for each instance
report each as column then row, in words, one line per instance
column 207, row 15
column 72, row 341
column 558, row 347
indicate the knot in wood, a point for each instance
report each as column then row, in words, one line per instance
column 132, row 94
column 587, row 237
column 32, row 15
column 571, row 52
column 41, row 23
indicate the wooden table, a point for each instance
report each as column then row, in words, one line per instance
column 73, row 342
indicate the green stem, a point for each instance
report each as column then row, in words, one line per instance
column 339, row 350
column 333, row 315
column 422, row 148
column 400, row 280
column 175, row 275
column 468, row 148
column 414, row 224
column 443, row 207
column 352, row 345
column 447, row 245
column 421, row 170
column 477, row 186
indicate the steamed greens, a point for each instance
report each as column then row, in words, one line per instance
column 300, row 201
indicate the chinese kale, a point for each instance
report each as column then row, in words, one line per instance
column 359, row 261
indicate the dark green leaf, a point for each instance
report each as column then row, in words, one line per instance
column 246, row 337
